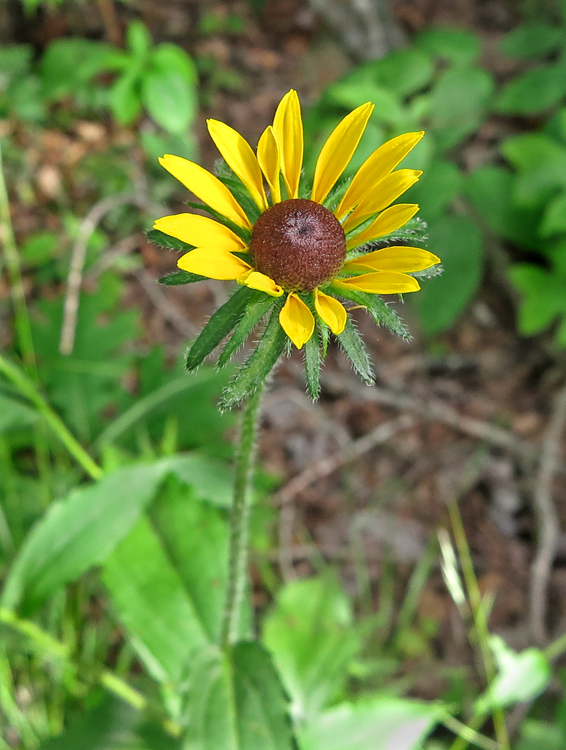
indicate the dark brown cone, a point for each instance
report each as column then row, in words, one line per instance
column 299, row 244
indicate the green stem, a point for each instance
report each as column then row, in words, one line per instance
column 29, row 390
column 239, row 522
column 556, row 648
column 17, row 292
column 467, row 734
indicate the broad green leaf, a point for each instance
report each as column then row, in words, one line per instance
column 354, row 91
column 541, row 164
column 81, row 531
column 437, row 188
column 179, row 278
column 172, row 57
column 14, row 414
column 125, row 97
column 521, row 676
column 458, row 102
column 458, row 243
column 534, row 91
column 491, row 189
column 312, row 638
column 536, row 735
column 380, row 723
column 152, row 603
column 403, row 71
column 454, row 45
column 168, row 98
column 220, row 325
column 253, row 314
column 554, row 219
column 253, row 373
column 354, row 348
column 15, row 59
column 236, row 704
column 312, row 365
column 139, row 39
column 532, row 40
column 542, row 296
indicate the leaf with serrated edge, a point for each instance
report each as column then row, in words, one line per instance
column 378, row 309
column 253, row 314
column 180, row 277
column 165, row 240
column 219, row 325
column 312, row 365
column 354, row 348
column 259, row 364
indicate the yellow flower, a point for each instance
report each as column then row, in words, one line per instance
column 285, row 241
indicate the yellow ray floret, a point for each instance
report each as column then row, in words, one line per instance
column 375, row 168
column 238, row 155
column 338, row 150
column 331, row 311
column 399, row 259
column 206, row 187
column 288, row 129
column 382, row 282
column 270, row 162
column 297, row 320
column 382, row 195
column 388, row 221
column 200, row 231
column 213, row 263
column 257, row 280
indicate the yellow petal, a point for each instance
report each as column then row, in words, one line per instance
column 270, row 162
column 238, row 155
column 388, row 221
column 382, row 195
column 382, row 282
column 375, row 168
column 338, row 150
column 200, row 231
column 288, row 129
column 257, row 280
column 397, row 258
column 331, row 311
column 297, row 320
column 206, row 187
column 214, row 263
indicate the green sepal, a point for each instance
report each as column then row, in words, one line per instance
column 241, row 232
column 238, row 189
column 354, row 348
column 332, row 201
column 414, row 231
column 259, row 364
column 219, row 325
column 377, row 308
column 181, row 277
column 252, row 315
column 324, row 337
column 165, row 240
column 312, row 365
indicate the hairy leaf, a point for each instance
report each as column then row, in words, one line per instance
column 354, row 348
column 253, row 314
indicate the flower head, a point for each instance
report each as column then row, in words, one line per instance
column 296, row 251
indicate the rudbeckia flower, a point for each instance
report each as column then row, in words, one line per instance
column 295, row 250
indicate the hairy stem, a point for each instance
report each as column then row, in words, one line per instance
column 239, row 523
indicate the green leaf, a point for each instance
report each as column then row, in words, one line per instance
column 170, row 56
column 255, row 370
column 537, row 734
column 491, row 190
column 125, row 100
column 458, row 243
column 554, row 219
column 152, row 603
column 14, row 413
column 453, row 45
column 532, row 40
column 437, row 189
column 378, row 309
column 169, row 99
column 220, row 325
column 252, row 315
column 312, row 638
column 542, row 297
column 534, row 91
column 458, row 103
column 236, row 704
column 165, row 240
column 312, row 365
column 179, row 278
column 380, row 723
column 403, row 71
column 354, row 348
column 81, row 531
column 541, row 163
column 521, row 677
column 138, row 39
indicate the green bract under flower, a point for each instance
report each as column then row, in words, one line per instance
column 297, row 252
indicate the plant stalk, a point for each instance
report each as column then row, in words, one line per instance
column 239, row 522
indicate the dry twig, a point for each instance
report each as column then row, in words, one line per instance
column 548, row 521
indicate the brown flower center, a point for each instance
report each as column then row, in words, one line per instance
column 299, row 244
